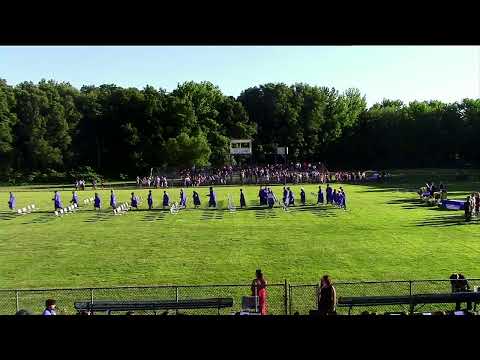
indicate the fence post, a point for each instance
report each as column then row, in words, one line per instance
column 17, row 300
column 176, row 298
column 91, row 296
column 285, row 297
column 290, row 299
column 412, row 307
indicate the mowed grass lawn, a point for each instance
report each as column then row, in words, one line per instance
column 385, row 234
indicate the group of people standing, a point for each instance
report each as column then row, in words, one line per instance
column 150, row 181
column 134, row 200
column 267, row 197
column 472, row 206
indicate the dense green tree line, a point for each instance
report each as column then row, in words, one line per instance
column 51, row 126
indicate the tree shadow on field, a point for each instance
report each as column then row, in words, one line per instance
column 99, row 216
column 413, row 204
column 212, row 214
column 40, row 219
column 265, row 213
column 457, row 220
column 322, row 210
column 153, row 216
column 406, row 189
column 7, row 216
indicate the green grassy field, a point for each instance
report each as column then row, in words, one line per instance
column 385, row 234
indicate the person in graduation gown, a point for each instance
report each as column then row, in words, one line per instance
column 113, row 200
column 290, row 197
column 285, row 194
column 150, row 200
column 334, row 197
column 11, row 201
column 263, row 196
column 344, row 199
column 339, row 199
column 270, row 198
column 166, row 200
column 57, row 201
column 329, row 194
column 183, row 198
column 242, row 199
column 74, row 198
column 134, row 201
column 320, row 196
column 212, row 201
column 196, row 199
column 97, row 202
column 303, row 198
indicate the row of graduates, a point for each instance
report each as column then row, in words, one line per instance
column 266, row 195
column 334, row 197
column 134, row 200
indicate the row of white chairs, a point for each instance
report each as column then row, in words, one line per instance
column 122, row 209
column 89, row 200
column 26, row 210
column 68, row 210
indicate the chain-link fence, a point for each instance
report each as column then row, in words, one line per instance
column 33, row 300
column 282, row 299
column 303, row 298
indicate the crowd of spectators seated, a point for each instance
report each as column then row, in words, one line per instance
column 294, row 173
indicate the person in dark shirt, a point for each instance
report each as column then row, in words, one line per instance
column 327, row 297
column 460, row 284
column 242, row 199
column 468, row 209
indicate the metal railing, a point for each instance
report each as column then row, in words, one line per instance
column 303, row 298
column 282, row 299
column 33, row 300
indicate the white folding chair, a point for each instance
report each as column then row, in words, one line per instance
column 24, row 210
column 19, row 211
column 56, row 213
column 33, row 206
column 61, row 211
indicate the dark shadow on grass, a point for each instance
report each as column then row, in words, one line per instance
column 441, row 221
column 8, row 216
column 99, row 217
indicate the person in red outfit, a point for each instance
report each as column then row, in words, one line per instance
column 259, row 288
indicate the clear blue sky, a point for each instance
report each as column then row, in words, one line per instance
column 447, row 73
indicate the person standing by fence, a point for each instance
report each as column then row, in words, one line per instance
column 259, row 288
column 50, row 305
column 327, row 296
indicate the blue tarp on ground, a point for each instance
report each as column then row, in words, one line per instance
column 453, row 204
